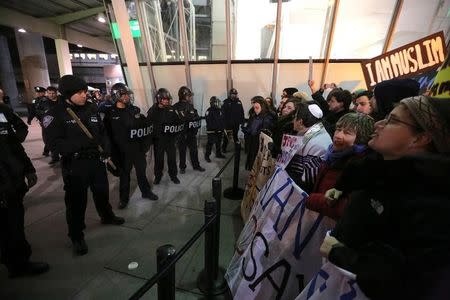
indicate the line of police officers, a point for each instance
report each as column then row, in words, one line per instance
column 87, row 142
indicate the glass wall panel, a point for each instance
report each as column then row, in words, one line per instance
column 254, row 28
column 303, row 25
column 421, row 18
column 361, row 28
column 162, row 21
column 135, row 30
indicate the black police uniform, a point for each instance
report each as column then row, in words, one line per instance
column 166, row 126
column 233, row 114
column 15, row 166
column 82, row 167
column 131, row 135
column 214, row 126
column 188, row 137
column 41, row 105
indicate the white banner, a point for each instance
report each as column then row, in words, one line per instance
column 332, row 283
column 290, row 144
column 262, row 169
column 277, row 252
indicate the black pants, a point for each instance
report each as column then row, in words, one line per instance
column 188, row 140
column 54, row 154
column 136, row 159
column 161, row 146
column 14, row 248
column 78, row 176
column 235, row 130
column 214, row 138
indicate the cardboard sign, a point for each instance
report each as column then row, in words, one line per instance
column 414, row 58
column 262, row 170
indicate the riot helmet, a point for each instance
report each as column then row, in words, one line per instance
column 118, row 90
column 161, row 95
column 233, row 93
column 184, row 93
column 214, row 101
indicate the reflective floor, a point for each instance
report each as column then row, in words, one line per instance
column 103, row 273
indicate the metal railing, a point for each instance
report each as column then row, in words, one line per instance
column 211, row 280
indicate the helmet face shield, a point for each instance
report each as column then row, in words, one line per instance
column 163, row 97
column 118, row 90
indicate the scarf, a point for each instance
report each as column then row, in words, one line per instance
column 334, row 156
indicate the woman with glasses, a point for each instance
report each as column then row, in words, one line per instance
column 395, row 232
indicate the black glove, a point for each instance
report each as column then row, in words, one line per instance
column 31, row 179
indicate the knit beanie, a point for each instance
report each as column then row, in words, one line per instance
column 361, row 123
column 69, row 85
column 389, row 92
column 433, row 116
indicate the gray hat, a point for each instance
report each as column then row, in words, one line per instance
column 430, row 120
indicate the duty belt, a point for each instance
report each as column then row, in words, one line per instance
column 85, row 155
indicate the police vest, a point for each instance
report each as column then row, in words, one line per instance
column 170, row 129
column 195, row 124
column 140, row 133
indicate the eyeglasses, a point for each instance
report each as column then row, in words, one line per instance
column 390, row 119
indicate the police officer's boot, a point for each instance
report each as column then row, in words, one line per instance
column 207, row 158
column 28, row 268
column 150, row 195
column 113, row 220
column 175, row 180
column 122, row 204
column 199, row 168
column 80, row 247
column 220, row 155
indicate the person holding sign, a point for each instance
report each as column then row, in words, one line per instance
column 304, row 166
column 395, row 232
column 353, row 131
column 260, row 120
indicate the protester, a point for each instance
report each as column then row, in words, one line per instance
column 395, row 232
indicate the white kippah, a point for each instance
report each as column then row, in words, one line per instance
column 315, row 110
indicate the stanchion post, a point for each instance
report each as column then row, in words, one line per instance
column 211, row 279
column 217, row 194
column 234, row 192
column 166, row 284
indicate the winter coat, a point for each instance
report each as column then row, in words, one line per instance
column 396, row 228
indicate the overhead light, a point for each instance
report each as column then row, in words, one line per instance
column 101, row 18
column 21, row 30
column 79, row 46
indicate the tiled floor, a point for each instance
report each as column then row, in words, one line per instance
column 103, row 273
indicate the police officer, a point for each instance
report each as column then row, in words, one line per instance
column 83, row 157
column 214, row 126
column 17, row 176
column 47, row 105
column 166, row 126
column 37, row 109
column 233, row 114
column 188, row 138
column 130, row 134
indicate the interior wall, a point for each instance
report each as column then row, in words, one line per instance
column 208, row 81
column 253, row 79
column 296, row 75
